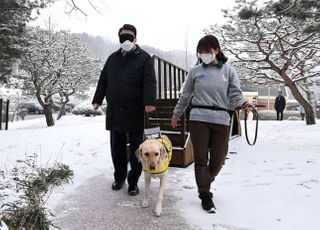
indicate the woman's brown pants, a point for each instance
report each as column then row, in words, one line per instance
column 210, row 144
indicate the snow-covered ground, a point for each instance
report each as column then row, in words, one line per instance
column 272, row 185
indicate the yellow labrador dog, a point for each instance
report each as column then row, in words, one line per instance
column 155, row 156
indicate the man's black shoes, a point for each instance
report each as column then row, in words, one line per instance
column 133, row 190
column 117, row 185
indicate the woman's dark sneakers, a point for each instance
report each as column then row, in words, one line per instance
column 207, row 202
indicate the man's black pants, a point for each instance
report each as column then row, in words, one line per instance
column 120, row 158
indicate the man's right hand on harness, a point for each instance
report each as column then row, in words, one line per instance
column 149, row 108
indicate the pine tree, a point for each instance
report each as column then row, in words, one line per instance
column 14, row 16
column 300, row 10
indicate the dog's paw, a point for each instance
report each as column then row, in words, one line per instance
column 158, row 210
column 145, row 203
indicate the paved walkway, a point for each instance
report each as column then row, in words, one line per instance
column 95, row 206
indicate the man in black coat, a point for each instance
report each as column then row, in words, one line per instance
column 129, row 84
column 279, row 105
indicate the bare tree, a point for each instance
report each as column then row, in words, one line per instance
column 57, row 63
column 271, row 48
column 14, row 15
column 77, row 6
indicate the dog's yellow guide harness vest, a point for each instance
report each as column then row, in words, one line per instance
column 165, row 164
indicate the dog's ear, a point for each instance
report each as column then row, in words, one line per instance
column 163, row 153
column 139, row 153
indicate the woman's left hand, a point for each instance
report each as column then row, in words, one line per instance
column 247, row 107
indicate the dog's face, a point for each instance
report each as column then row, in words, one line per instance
column 151, row 153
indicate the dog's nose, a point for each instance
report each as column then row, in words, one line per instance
column 152, row 167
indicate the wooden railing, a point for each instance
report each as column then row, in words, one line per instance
column 169, row 78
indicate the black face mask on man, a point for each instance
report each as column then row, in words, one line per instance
column 126, row 41
column 125, row 37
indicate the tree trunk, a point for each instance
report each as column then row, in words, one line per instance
column 310, row 118
column 62, row 111
column 48, row 113
column 47, row 110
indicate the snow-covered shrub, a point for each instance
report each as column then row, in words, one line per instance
column 86, row 109
column 28, row 187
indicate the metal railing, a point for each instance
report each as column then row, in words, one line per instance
column 4, row 114
column 169, row 78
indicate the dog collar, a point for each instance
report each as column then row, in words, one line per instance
column 165, row 164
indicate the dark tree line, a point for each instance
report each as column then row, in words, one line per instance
column 14, row 16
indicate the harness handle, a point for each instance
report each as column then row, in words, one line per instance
column 154, row 132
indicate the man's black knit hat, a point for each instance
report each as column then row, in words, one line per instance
column 128, row 27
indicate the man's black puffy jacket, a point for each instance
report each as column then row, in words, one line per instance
column 128, row 83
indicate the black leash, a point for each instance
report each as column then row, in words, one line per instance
column 255, row 113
